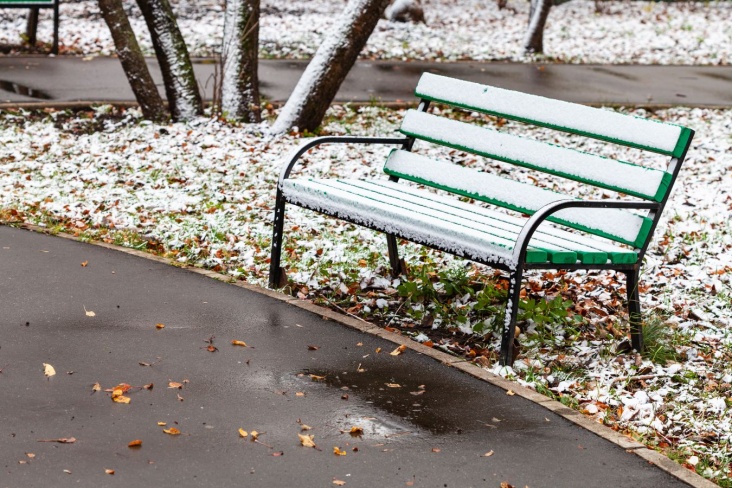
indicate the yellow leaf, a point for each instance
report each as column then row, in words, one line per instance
column 120, row 398
column 304, row 427
column 339, row 482
column 159, row 326
column 243, row 433
column 239, row 343
column 172, row 431
column 378, row 350
column 300, row 394
column 48, row 370
column 162, row 424
column 175, row 384
column 135, row 443
column 254, row 435
column 398, row 350
column 510, row 393
column 356, row 430
column 338, row 452
column 96, row 387
column 84, row 264
column 109, row 471
column 306, row 440
column 315, row 377
column 30, row 455
column 393, row 385
column 89, row 313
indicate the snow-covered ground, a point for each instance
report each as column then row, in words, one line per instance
column 622, row 32
column 202, row 193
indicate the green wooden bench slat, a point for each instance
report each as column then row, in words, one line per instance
column 39, row 3
column 594, row 250
column 620, row 176
column 569, row 117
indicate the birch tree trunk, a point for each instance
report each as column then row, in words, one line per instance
column 181, row 87
column 335, row 57
column 239, row 54
column 534, row 40
column 133, row 62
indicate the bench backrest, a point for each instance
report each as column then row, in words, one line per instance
column 621, row 176
column 28, row 3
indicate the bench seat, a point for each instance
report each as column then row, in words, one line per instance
column 465, row 229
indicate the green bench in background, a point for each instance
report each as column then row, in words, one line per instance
column 610, row 236
column 35, row 6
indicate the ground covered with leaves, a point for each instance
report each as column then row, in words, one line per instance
column 202, row 194
column 580, row 31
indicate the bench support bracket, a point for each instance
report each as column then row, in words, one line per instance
column 509, row 323
column 634, row 310
column 275, row 271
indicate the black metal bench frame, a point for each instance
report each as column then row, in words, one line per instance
column 34, row 8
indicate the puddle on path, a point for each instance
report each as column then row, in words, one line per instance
column 12, row 87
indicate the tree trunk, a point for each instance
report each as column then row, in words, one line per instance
column 133, row 62
column 181, row 87
column 239, row 55
column 534, row 40
column 319, row 84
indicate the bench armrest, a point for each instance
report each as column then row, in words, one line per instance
column 547, row 210
column 304, row 147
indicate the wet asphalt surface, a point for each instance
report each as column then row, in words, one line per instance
column 68, row 79
column 430, row 431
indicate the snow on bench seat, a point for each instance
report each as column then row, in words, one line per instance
column 592, row 122
column 619, row 225
column 425, row 217
column 607, row 173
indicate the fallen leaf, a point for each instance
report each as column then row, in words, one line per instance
column 339, row 482
column 243, row 433
column 135, row 443
column 83, row 265
column 180, row 398
column 22, row 461
column 89, row 313
column 488, row 454
column 172, row 431
column 428, row 343
column 67, row 471
column 159, row 326
column 304, row 427
column 109, row 471
column 393, row 385
column 211, row 348
column 148, row 386
column 344, row 396
column 315, row 377
column 278, row 454
column 506, row 484
column 510, row 393
column 96, row 387
column 162, row 424
column 48, row 370
column 359, row 344
column 118, row 397
column 300, row 394
column 338, row 452
column 378, row 350
column 62, row 440
column 398, row 350
column 254, row 435
column 313, row 348
column 30, row 455
column 435, row 449
column 307, row 440
column 356, row 431
column 175, row 384
column 239, row 343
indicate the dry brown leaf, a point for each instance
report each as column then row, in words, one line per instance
column 135, row 443
column 306, row 440
column 159, row 326
column 488, row 454
column 313, row 348
column 338, row 451
column 378, row 350
column 304, row 427
column 118, row 397
column 84, row 264
column 510, row 393
column 175, row 384
column 172, row 431
column 435, row 449
column 109, row 471
column 89, row 313
column 398, row 350
column 162, row 424
column 254, row 435
column 62, row 440
column 356, row 431
column 96, row 387
column 67, row 471
column 339, row 482
column 359, row 344
column 239, row 343
column 300, row 394
column 315, row 377
column 506, row 484
column 180, row 398
column 393, row 385
column 30, row 455
column 243, row 433
column 278, row 453
column 148, row 386
column 48, row 370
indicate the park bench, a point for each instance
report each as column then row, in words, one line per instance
column 35, row 6
column 611, row 236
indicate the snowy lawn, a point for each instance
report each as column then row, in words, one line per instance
column 202, row 194
column 622, row 32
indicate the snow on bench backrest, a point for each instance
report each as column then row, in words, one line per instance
column 592, row 122
column 598, row 171
column 618, row 225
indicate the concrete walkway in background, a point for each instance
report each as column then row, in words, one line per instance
column 425, row 424
column 66, row 80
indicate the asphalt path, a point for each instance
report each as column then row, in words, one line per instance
column 424, row 424
column 64, row 80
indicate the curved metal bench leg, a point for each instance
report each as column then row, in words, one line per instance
column 275, row 271
column 634, row 310
column 509, row 324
